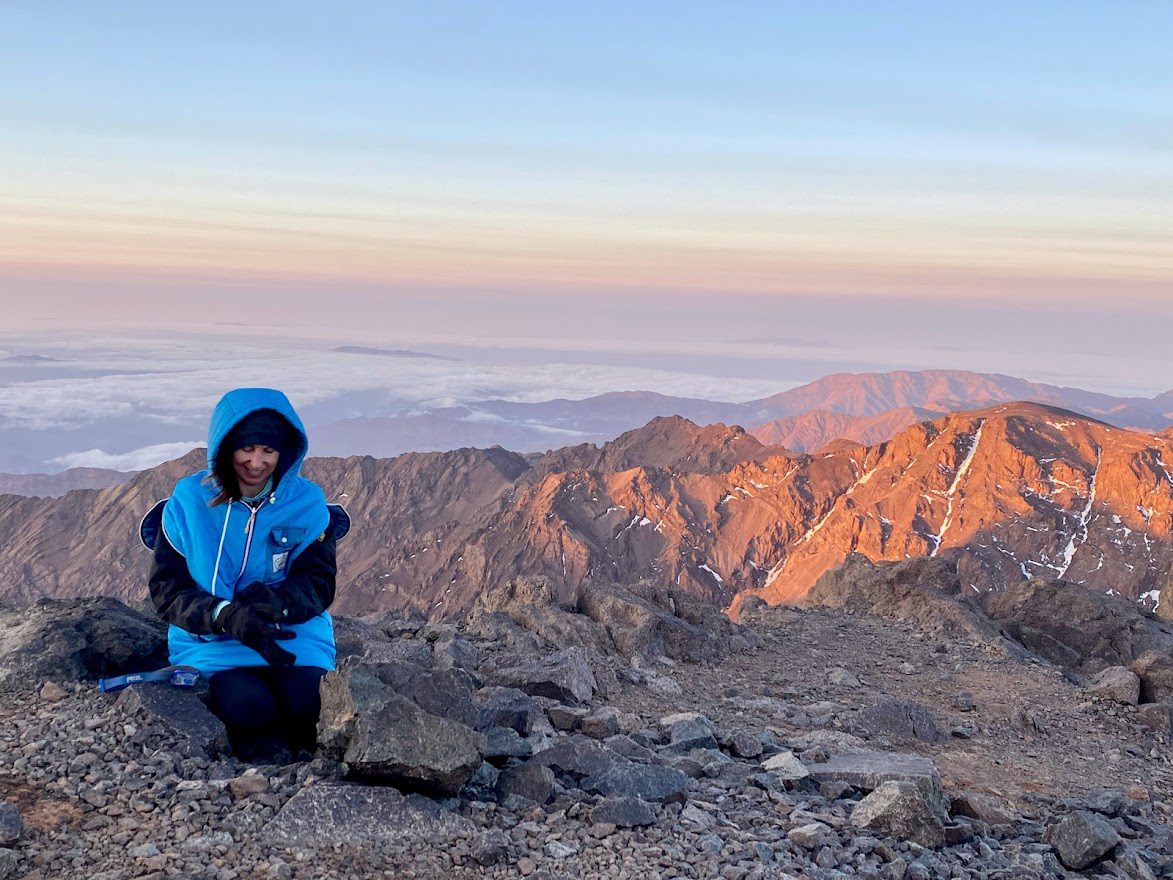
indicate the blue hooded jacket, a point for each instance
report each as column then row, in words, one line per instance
column 232, row 545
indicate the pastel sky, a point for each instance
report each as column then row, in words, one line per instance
column 462, row 167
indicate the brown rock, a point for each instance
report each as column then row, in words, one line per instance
column 1116, row 683
column 249, row 784
column 1155, row 669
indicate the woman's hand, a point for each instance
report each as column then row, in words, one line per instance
column 254, row 631
column 265, row 602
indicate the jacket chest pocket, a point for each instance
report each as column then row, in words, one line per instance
column 283, row 540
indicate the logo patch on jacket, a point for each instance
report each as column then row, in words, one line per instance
column 279, row 560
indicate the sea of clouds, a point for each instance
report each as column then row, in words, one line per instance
column 130, row 403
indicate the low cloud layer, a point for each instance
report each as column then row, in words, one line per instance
column 135, row 460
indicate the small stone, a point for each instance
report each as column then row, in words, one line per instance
column 745, row 745
column 490, row 848
column 249, row 784
column 696, row 816
column 809, row 836
column 906, row 669
column 526, row 866
column 599, row 830
column 626, row 812
column 963, row 702
column 8, row 863
column 10, row 824
column 555, row 849
column 601, row 724
column 566, row 717
column 841, row 677
column 146, row 851
column 51, row 692
column 787, row 766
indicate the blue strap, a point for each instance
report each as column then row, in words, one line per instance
column 177, row 676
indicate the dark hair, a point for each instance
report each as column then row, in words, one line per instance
column 223, row 475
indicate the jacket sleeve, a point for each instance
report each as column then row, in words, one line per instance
column 308, row 589
column 177, row 598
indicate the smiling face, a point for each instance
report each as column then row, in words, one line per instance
column 253, row 466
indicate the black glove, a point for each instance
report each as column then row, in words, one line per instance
column 265, row 602
column 251, row 630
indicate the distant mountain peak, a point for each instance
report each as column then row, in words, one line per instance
column 388, row 352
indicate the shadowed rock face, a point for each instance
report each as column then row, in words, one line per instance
column 87, row 639
column 1008, row 493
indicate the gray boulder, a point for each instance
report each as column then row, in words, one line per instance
column 601, row 724
column 901, row 810
column 1157, row 716
column 316, row 813
column 647, row 782
column 923, row 591
column 409, row 651
column 78, row 639
column 386, row 737
column 456, row 653
column 867, row 771
column 448, row 693
column 1081, row 838
column 786, row 766
column 502, row 743
column 899, row 720
column 533, row 604
column 1155, row 669
column 565, row 676
column 532, row 781
column 585, row 764
column 11, row 825
column 353, row 636
column 508, row 707
column 1073, row 626
column 659, row 623
column 626, row 812
column 182, row 713
column 567, row 717
column 687, row 731
column 983, row 807
column 1116, row 683
column 577, row 757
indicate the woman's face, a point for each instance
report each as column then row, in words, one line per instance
column 254, row 465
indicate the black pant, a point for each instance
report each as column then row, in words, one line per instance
column 268, row 710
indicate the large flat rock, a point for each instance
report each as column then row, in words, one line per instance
column 323, row 815
column 181, row 712
column 867, row 771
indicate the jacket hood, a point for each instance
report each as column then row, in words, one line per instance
column 241, row 402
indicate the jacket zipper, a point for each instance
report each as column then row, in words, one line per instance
column 248, row 542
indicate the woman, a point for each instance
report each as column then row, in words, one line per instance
column 244, row 572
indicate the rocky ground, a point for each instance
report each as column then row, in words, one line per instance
column 622, row 738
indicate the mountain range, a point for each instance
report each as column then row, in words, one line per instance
column 1008, row 492
column 866, row 408
column 863, row 407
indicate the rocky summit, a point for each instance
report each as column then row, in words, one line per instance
column 894, row 726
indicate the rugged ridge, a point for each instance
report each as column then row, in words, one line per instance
column 814, row 430
column 1006, row 493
